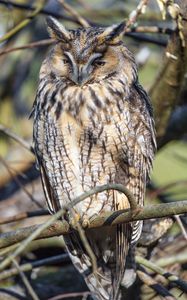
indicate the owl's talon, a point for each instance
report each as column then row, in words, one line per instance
column 74, row 220
column 85, row 222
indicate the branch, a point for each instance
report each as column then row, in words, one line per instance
column 26, row 282
column 108, row 219
column 165, row 92
column 82, row 295
column 169, row 276
column 74, row 13
column 135, row 13
column 61, row 212
column 135, row 32
column 28, row 46
column 153, row 284
column 24, row 215
column 173, row 259
column 15, row 137
column 35, row 264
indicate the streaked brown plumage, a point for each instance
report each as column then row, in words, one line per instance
column 93, row 125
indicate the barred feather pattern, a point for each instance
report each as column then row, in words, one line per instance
column 85, row 136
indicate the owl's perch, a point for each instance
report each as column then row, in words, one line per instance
column 55, row 228
column 108, row 219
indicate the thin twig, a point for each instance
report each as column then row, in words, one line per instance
column 135, row 13
column 9, row 169
column 17, row 138
column 27, row 46
column 183, row 230
column 25, row 281
column 50, row 242
column 8, row 249
column 70, row 295
column 24, row 6
column 74, row 13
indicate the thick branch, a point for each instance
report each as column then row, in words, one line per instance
column 61, row 213
column 166, row 88
column 107, row 219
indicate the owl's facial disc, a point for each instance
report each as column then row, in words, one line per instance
column 81, row 71
column 86, row 55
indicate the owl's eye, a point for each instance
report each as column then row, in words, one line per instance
column 65, row 61
column 98, row 62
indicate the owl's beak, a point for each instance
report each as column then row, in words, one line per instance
column 80, row 75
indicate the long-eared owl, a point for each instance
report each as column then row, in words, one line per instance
column 93, row 125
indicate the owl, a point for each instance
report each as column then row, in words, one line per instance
column 93, row 125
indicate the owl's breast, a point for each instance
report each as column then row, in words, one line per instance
column 88, row 146
column 91, row 155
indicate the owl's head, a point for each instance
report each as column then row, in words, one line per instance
column 88, row 55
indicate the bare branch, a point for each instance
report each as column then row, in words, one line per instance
column 24, row 215
column 74, row 14
column 137, row 29
column 11, row 172
column 87, row 247
column 35, row 264
column 17, row 138
column 165, row 91
column 107, row 219
column 169, row 260
column 135, row 13
column 25, row 281
column 153, row 284
column 28, row 46
column 169, row 276
column 183, row 230
column 84, row 295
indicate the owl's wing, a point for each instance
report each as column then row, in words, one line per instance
column 48, row 191
column 40, row 149
column 140, row 155
column 143, row 151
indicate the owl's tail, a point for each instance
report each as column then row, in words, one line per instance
column 110, row 246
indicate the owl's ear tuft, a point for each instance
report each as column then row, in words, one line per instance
column 112, row 34
column 56, row 30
